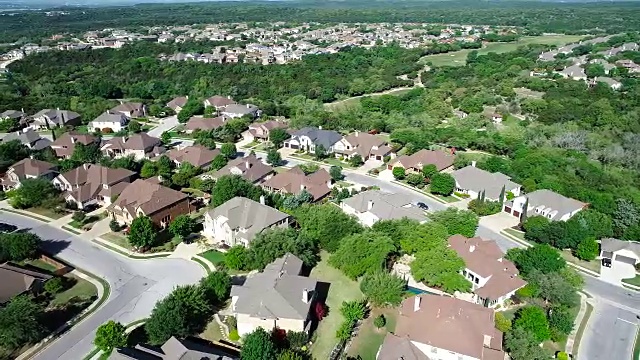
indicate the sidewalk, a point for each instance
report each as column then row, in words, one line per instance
column 576, row 324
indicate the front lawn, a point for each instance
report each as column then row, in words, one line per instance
column 50, row 213
column 633, row 281
column 82, row 289
column 341, row 289
column 164, row 242
column 593, row 265
column 117, row 238
column 369, row 339
column 41, row 265
column 88, row 221
column 214, row 256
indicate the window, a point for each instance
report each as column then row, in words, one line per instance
column 477, row 280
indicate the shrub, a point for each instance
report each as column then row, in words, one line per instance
column 54, row 285
column 380, row 321
column 114, row 226
column 399, row 173
column 461, row 195
column 415, row 179
column 79, row 216
column 297, row 339
column 484, row 208
column 233, row 335
column 502, row 323
column 562, row 356
column 344, row 331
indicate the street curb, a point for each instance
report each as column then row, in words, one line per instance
column 571, row 338
column 206, row 264
column 422, row 193
column 124, row 252
column 28, row 214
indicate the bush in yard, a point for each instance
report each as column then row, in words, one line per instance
column 356, row 160
column 79, row 216
column 236, row 258
column 415, row 179
column 114, row 226
column 484, row 208
column 320, row 311
column 217, row 286
column 290, row 355
column 233, row 335
column 54, row 285
column 442, row 184
column 379, row 321
column 344, row 331
column 297, row 339
column 134, row 126
column 429, row 170
column 258, row 345
column 562, row 356
column 274, row 158
column 336, row 173
column 502, row 323
column 533, row 319
column 182, row 226
column 383, row 288
column 587, row 249
column 142, row 232
column 353, row 310
column 399, row 173
column 110, row 335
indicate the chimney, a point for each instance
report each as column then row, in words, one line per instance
column 73, row 140
column 500, row 260
column 301, row 187
column 248, row 106
column 357, row 133
column 472, row 248
column 85, row 166
column 305, row 296
column 473, row 163
column 262, row 199
column 247, row 164
column 370, row 205
column 416, row 303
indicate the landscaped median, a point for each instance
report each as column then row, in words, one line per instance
column 126, row 252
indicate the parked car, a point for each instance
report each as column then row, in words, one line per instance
column 423, row 206
column 606, row 262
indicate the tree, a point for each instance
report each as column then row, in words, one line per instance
column 442, row 184
column 587, row 250
column 271, row 244
column 229, row 186
column 560, row 321
column 336, row 173
column 502, row 196
column 142, row 232
column 534, row 319
column 110, row 335
column 20, row 322
column 192, row 107
column 594, row 70
column 326, row 225
column 541, row 257
column 502, row 323
column 554, row 288
column 356, row 160
column 415, row 179
column 185, row 173
column 399, row 173
column 362, row 253
column 379, row 322
column 258, row 345
column 414, row 237
column 219, row 162
column 85, row 154
column 134, row 126
column 320, row 152
column 535, row 228
column 523, row 345
column 383, row 288
column 18, row 246
column 149, row 169
column 182, row 226
column 463, row 222
column 236, row 258
column 277, row 137
column 114, row 226
column 274, row 158
column 597, row 224
column 32, row 193
column 54, row 285
column 217, row 286
column 429, row 170
column 228, row 150
column 289, row 355
column 523, row 216
column 353, row 310
column 165, row 137
column 182, row 313
column 440, row 268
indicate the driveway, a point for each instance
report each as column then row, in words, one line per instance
column 610, row 334
column 136, row 285
column 165, row 125
column 618, row 271
column 499, row 221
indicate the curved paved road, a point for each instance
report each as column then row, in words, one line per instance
column 136, row 285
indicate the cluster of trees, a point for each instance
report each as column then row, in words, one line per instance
column 552, row 301
column 18, row 246
column 261, row 345
column 441, row 183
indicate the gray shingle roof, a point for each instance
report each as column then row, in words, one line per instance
column 613, row 245
column 326, row 138
column 554, row 201
column 385, row 206
column 475, row 179
column 276, row 292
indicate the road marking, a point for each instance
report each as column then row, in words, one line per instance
column 627, row 321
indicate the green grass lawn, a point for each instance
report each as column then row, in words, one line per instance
column 192, row 191
column 213, row 332
column 633, row 281
column 82, row 289
column 89, row 220
column 42, row 265
column 118, row 239
column 459, row 58
column 515, row 233
column 214, row 256
column 341, row 289
column 369, row 338
column 46, row 212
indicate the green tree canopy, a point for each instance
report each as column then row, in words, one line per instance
column 258, row 345
column 18, row 246
column 362, row 253
column 442, row 184
column 440, row 268
column 463, row 222
column 32, row 193
column 326, row 225
column 217, row 286
column 274, row 243
column 383, row 288
column 229, row 186
column 20, row 322
column 110, row 335
column 182, row 226
column 533, row 319
column 142, row 232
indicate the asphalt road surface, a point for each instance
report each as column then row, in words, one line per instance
column 609, row 335
column 136, row 285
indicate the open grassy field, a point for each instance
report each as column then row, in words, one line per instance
column 355, row 101
column 458, row 58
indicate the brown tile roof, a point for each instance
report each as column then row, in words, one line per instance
column 294, row 181
column 149, row 196
column 366, row 144
column 440, row 159
column 16, row 280
column 395, row 347
column 136, row 109
column 180, row 101
column 66, row 143
column 32, row 167
column 219, row 101
column 88, row 180
column 249, row 167
column 485, row 258
column 450, row 324
column 196, row 155
column 266, row 127
column 139, row 141
column 197, row 122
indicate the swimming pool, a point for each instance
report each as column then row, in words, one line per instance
column 417, row 291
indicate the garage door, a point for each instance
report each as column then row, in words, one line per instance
column 293, row 146
column 625, row 259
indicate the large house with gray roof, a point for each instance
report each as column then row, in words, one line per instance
column 472, row 181
column 620, row 250
column 239, row 220
column 174, row 349
column 278, row 297
column 374, row 205
column 545, row 203
column 29, row 138
column 308, row 138
column 50, row 118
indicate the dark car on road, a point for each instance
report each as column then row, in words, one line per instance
column 423, row 206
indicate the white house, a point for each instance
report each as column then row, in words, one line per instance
column 374, row 205
column 544, row 203
column 109, row 122
column 472, row 181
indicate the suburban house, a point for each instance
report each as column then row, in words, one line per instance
column 174, row 349
column 294, row 181
column 140, row 146
column 308, row 138
column 49, row 118
column 12, row 114
column 276, row 298
column 472, row 181
column 239, row 220
column 18, row 280
column 260, row 131
column 368, row 146
column 148, row 198
column 66, row 143
column 415, row 162
column 494, row 279
column 29, row 138
column 441, row 327
column 108, row 122
column 131, row 110
column 239, row 110
column 544, row 203
column 621, row 251
column 178, row 103
column 575, row 72
column 27, row 169
column 250, row 168
column 196, row 155
column 91, row 184
column 613, row 84
column 204, row 124
column 372, row 206
column 218, row 102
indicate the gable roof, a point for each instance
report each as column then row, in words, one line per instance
column 418, row 160
column 385, row 206
column 16, row 280
column 177, row 102
column 110, row 116
column 56, row 116
column 220, row 101
column 367, row 144
column 174, row 349
column 196, row 155
column 293, row 181
column 66, row 143
column 612, row 245
column 476, row 179
column 240, row 109
column 148, row 196
column 275, row 293
column 29, row 137
column 250, row 168
column 485, row 258
column 88, row 180
column 12, row 114
column 136, row 109
column 139, row 141
column 547, row 199
column 252, row 216
column 326, row 138
column 33, row 167
column 454, row 325
column 396, row 347
column 202, row 123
